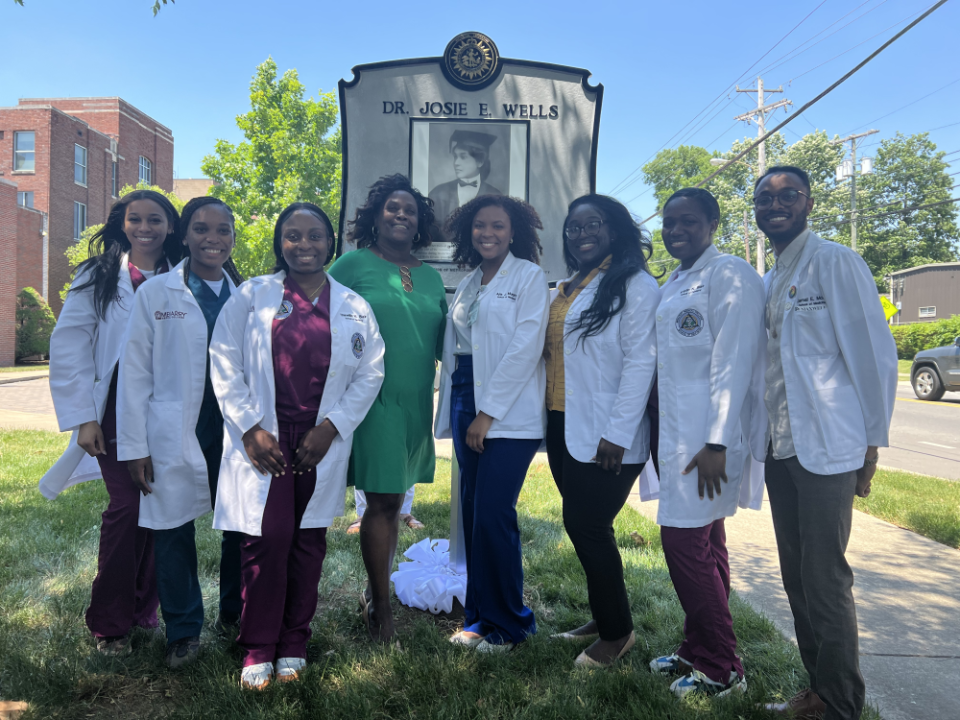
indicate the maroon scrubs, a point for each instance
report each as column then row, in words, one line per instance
column 281, row 567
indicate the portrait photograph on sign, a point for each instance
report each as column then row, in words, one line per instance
column 453, row 162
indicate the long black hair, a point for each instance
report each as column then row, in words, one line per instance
column 361, row 227
column 229, row 267
column 278, row 232
column 524, row 222
column 630, row 247
column 110, row 242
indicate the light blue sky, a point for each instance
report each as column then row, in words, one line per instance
column 660, row 63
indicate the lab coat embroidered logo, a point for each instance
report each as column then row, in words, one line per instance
column 357, row 342
column 286, row 307
column 689, row 322
column 793, row 292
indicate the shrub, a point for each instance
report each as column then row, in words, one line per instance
column 35, row 323
column 915, row 337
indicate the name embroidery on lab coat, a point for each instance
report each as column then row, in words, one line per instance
column 358, row 343
column 170, row 314
column 692, row 291
column 689, row 322
column 814, row 302
column 286, row 308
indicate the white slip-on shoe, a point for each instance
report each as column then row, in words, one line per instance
column 256, row 677
column 288, row 669
column 467, row 639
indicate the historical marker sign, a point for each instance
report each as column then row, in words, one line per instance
column 472, row 123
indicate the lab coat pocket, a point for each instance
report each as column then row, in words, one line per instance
column 693, row 402
column 165, row 434
column 814, row 333
column 841, row 420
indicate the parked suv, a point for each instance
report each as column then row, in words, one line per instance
column 936, row 371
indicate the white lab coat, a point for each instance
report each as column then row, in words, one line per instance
column 839, row 359
column 163, row 367
column 241, row 366
column 508, row 371
column 608, row 377
column 710, row 338
column 84, row 351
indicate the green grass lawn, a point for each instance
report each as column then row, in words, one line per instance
column 903, row 369
column 47, row 562
column 26, row 368
column 927, row 505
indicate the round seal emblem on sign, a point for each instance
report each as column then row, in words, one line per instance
column 471, row 60
column 689, row 322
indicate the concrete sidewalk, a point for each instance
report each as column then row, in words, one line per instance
column 908, row 606
column 25, row 402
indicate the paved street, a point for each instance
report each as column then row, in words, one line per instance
column 925, row 436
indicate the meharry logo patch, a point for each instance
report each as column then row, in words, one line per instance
column 286, row 307
column 169, row 315
column 793, row 292
column 358, row 344
column 689, row 322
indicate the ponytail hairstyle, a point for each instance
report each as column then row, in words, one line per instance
column 229, row 267
column 630, row 247
column 278, row 232
column 110, row 242
column 705, row 199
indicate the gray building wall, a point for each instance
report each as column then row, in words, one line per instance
column 927, row 286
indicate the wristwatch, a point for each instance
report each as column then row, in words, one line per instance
column 716, row 448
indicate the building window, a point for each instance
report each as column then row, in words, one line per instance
column 25, row 199
column 113, row 180
column 23, row 151
column 79, row 219
column 146, row 171
column 928, row 312
column 79, row 164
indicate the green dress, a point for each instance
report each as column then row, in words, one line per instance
column 393, row 446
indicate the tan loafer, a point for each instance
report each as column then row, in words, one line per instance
column 584, row 660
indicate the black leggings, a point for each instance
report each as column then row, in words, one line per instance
column 592, row 499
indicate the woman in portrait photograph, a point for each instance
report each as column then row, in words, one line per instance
column 393, row 447
column 470, row 151
column 601, row 353
column 492, row 386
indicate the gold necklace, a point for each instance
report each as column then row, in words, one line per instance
column 406, row 278
column 316, row 291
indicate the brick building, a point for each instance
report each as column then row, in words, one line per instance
column 68, row 159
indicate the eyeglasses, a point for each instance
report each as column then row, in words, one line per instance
column 786, row 198
column 572, row 232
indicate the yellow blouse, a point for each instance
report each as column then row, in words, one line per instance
column 553, row 347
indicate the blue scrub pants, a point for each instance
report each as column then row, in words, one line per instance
column 178, row 584
column 490, row 484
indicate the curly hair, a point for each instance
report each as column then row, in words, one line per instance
column 194, row 204
column 110, row 242
column 524, row 222
column 289, row 210
column 361, row 227
column 630, row 247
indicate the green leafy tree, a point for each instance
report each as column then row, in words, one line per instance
column 35, row 323
column 291, row 153
column 80, row 250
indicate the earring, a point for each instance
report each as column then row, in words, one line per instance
column 416, row 238
column 376, row 233
column 511, row 241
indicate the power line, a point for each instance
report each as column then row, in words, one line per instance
column 819, row 97
column 707, row 108
column 895, row 212
column 944, row 87
column 826, row 218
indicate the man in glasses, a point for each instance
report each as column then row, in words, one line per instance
column 831, row 378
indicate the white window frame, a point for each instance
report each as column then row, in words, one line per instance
column 79, row 219
column 146, row 171
column 930, row 311
column 22, row 198
column 80, row 166
column 24, row 153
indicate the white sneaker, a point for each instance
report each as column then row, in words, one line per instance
column 288, row 668
column 256, row 677
column 486, row 647
column 698, row 682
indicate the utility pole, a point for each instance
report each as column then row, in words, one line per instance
column 845, row 171
column 746, row 233
column 760, row 116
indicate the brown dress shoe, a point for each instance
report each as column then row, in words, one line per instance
column 805, row 705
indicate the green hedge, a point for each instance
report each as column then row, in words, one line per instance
column 915, row 337
column 35, row 323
